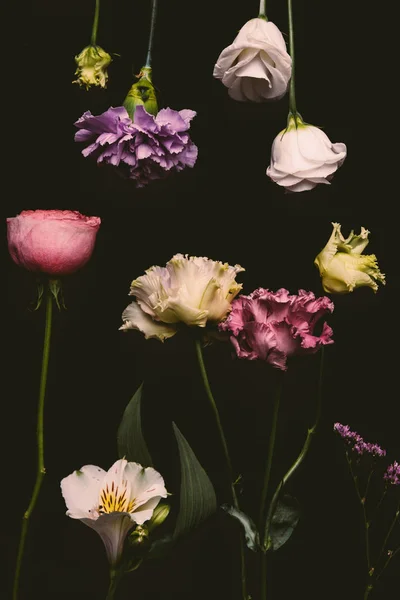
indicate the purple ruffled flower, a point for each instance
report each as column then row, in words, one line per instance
column 358, row 445
column 392, row 474
column 145, row 149
column 271, row 326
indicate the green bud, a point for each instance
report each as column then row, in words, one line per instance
column 92, row 65
column 142, row 93
column 160, row 513
column 139, row 535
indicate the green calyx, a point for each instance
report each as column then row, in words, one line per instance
column 142, row 93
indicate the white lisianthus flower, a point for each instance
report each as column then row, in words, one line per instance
column 342, row 265
column 256, row 66
column 191, row 290
column 113, row 501
column 303, row 156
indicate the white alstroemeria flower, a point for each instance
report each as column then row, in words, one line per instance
column 192, row 290
column 113, row 501
column 342, row 265
column 303, row 156
column 256, row 66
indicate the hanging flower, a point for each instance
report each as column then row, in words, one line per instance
column 55, row 242
column 271, row 326
column 92, row 65
column 191, row 290
column 147, row 148
column 303, row 156
column 112, row 502
column 256, row 66
column 342, row 265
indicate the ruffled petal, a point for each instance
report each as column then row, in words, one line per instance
column 134, row 318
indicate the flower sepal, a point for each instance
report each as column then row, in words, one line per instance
column 142, row 93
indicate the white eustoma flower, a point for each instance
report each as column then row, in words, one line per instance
column 303, row 156
column 191, row 290
column 256, row 66
column 342, row 265
column 113, row 501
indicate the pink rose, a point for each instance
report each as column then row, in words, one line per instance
column 56, row 242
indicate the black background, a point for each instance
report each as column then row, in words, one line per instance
column 227, row 209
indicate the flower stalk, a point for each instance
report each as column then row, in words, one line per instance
column 214, row 408
column 95, row 26
column 292, row 88
column 151, row 35
column 310, row 434
column 39, row 437
column 262, row 14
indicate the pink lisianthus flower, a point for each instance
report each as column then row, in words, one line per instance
column 271, row 326
column 55, row 242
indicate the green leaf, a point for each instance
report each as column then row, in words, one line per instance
column 131, row 443
column 250, row 530
column 283, row 522
column 197, row 495
column 161, row 547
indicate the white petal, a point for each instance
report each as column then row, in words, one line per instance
column 81, row 491
column 145, row 484
column 113, row 529
column 134, row 318
column 252, row 68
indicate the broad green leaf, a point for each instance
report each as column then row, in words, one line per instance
column 250, row 530
column 161, row 547
column 131, row 443
column 283, row 522
column 197, row 495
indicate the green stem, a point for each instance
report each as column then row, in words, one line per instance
column 151, row 36
column 95, row 26
column 389, row 533
column 39, row 437
column 262, row 10
column 390, row 557
column 364, row 513
column 224, row 445
column 368, row 589
column 292, row 89
column 310, row 434
column 271, row 446
column 267, row 476
column 115, row 578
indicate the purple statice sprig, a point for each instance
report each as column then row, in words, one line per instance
column 357, row 443
column 392, row 474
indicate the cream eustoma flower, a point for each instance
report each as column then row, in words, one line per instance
column 92, row 65
column 113, row 501
column 191, row 290
column 303, row 156
column 256, row 66
column 342, row 265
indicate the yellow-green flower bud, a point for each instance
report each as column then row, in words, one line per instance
column 139, row 535
column 160, row 513
column 142, row 93
column 92, row 65
column 342, row 265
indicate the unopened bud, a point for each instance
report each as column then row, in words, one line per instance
column 160, row 513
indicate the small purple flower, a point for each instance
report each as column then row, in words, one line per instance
column 144, row 149
column 392, row 474
column 271, row 326
column 359, row 446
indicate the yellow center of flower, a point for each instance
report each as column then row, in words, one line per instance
column 115, row 499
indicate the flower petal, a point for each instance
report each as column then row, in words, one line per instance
column 134, row 318
column 113, row 529
column 81, row 491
